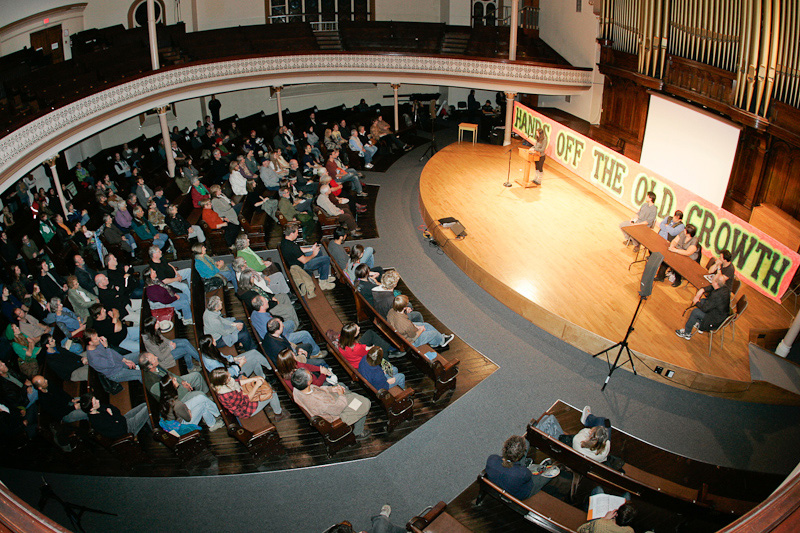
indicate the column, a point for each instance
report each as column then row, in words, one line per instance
column 57, row 183
column 395, row 87
column 786, row 344
column 151, row 32
column 514, row 26
column 509, row 117
column 280, row 105
column 162, row 120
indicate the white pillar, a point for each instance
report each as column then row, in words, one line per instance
column 514, row 25
column 57, row 183
column 162, row 120
column 509, row 117
column 280, row 105
column 395, row 87
column 151, row 31
column 788, row 340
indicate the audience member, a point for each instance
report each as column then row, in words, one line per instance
column 245, row 364
column 380, row 373
column 510, row 471
column 108, row 361
column 109, row 422
column 310, row 258
column 331, row 402
column 232, row 397
column 417, row 333
column 287, row 362
column 160, row 295
column 226, row 331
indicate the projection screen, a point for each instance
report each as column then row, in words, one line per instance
column 690, row 147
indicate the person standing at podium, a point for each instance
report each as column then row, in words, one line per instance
column 539, row 146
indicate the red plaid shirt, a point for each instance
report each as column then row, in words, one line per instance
column 238, row 404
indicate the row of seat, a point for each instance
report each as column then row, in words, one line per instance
column 666, row 484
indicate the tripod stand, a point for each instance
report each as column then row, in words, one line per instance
column 73, row 511
column 622, row 345
column 432, row 149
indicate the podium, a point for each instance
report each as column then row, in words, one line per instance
column 529, row 156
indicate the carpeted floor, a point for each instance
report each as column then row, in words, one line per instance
column 441, row 458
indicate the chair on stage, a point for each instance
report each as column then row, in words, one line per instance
column 741, row 306
column 711, row 262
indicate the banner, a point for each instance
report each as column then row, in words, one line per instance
column 760, row 261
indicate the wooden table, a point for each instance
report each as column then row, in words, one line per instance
column 685, row 266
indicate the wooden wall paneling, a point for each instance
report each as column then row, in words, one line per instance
column 747, row 173
column 781, row 183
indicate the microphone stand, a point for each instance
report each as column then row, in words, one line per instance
column 508, row 174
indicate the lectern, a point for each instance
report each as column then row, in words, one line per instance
column 529, row 156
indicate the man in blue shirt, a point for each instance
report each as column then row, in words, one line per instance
column 672, row 226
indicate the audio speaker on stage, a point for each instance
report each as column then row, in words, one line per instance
column 650, row 269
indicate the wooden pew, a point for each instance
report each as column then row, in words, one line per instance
column 440, row 370
column 254, row 222
column 436, row 520
column 398, row 403
column 662, row 478
column 542, row 509
column 189, row 448
column 257, row 433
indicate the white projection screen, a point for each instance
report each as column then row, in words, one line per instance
column 689, row 147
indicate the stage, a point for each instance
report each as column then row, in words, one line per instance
column 555, row 255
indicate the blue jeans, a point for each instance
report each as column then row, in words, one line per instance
column 255, row 363
column 273, row 402
column 303, row 337
column 592, row 421
column 76, row 415
column 202, row 408
column 321, row 263
column 244, row 337
column 184, row 350
column 137, row 418
column 369, row 153
column 182, row 306
column 369, row 257
column 126, row 374
column 131, row 342
column 159, row 240
column 430, row 336
column 352, row 178
column 230, row 276
column 399, row 378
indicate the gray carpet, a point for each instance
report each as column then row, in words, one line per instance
column 444, row 456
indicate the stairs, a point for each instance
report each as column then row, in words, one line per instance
column 455, row 43
column 328, row 40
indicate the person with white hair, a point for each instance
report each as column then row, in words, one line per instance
column 324, row 201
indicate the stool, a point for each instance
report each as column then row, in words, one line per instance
column 466, row 126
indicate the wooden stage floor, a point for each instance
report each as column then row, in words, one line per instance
column 554, row 254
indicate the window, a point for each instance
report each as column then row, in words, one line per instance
column 313, row 11
column 137, row 14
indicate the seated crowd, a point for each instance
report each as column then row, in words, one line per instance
column 63, row 324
